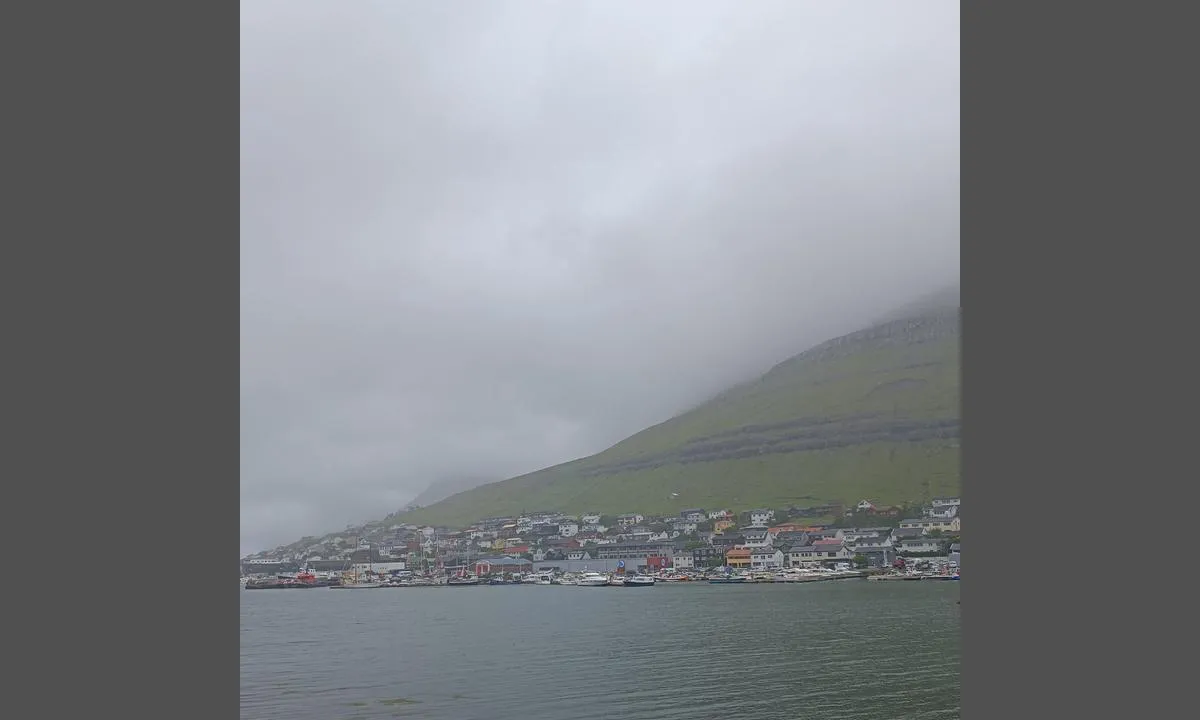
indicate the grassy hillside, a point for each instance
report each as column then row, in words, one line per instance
column 873, row 414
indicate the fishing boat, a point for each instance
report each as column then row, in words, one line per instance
column 359, row 585
column 592, row 579
column 356, row 579
column 463, row 580
column 279, row 584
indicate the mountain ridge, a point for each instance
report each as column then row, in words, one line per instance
column 888, row 390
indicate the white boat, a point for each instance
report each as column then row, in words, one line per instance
column 545, row 578
column 616, row 580
column 638, row 581
column 592, row 579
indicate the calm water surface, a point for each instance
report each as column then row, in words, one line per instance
column 844, row 649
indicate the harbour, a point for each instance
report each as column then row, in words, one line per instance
column 720, row 576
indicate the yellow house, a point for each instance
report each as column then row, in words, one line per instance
column 721, row 525
column 738, row 558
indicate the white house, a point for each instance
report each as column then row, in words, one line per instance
column 684, row 526
column 757, row 537
column 629, row 519
column 871, row 542
column 946, row 501
column 864, row 505
column 683, row 561
column 943, row 512
column 817, row 553
column 590, row 518
column 693, row 514
column 920, row 545
column 761, row 517
column 766, row 558
column 568, row 529
column 719, row 515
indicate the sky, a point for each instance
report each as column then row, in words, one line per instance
column 481, row 238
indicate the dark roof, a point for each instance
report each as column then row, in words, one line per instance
column 867, row 531
column 901, row 533
column 794, row 538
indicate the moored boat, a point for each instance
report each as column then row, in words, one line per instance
column 592, row 579
column 727, row 578
column 638, row 581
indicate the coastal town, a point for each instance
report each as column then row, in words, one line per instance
column 761, row 544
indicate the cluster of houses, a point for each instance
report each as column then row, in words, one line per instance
column 759, row 539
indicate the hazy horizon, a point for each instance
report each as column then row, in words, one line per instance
column 480, row 239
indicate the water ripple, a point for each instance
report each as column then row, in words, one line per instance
column 855, row 650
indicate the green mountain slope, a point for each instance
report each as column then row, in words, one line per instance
column 873, row 414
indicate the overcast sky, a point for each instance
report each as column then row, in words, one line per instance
column 486, row 237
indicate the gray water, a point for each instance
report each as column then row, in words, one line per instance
column 844, row 649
